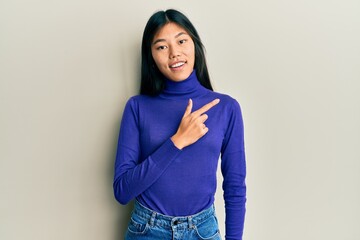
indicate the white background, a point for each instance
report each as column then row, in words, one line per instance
column 68, row 67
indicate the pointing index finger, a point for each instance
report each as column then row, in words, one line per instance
column 206, row 107
column 188, row 108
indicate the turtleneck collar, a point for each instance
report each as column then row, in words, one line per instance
column 188, row 88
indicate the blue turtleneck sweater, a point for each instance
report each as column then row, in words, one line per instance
column 150, row 168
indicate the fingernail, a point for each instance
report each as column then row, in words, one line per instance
column 217, row 100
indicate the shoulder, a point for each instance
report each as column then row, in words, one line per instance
column 135, row 105
column 139, row 100
column 227, row 101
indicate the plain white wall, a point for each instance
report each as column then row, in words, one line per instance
column 67, row 68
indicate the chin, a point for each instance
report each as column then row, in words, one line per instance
column 179, row 77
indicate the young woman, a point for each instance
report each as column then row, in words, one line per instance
column 171, row 137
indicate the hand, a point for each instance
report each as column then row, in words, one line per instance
column 192, row 126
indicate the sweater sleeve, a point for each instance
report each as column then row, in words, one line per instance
column 132, row 175
column 234, row 171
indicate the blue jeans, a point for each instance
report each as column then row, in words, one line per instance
column 146, row 224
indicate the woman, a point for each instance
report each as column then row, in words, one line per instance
column 171, row 137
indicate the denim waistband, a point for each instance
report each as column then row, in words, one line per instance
column 155, row 218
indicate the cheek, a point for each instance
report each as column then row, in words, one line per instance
column 191, row 52
column 158, row 59
column 154, row 56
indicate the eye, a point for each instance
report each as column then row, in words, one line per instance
column 161, row 47
column 182, row 41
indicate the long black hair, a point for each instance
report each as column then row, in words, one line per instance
column 152, row 80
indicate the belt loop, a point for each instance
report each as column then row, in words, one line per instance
column 152, row 219
column 191, row 225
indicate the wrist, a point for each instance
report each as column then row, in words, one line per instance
column 177, row 142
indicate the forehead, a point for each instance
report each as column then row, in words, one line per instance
column 169, row 30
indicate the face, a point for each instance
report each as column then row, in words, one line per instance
column 173, row 51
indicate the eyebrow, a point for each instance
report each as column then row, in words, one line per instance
column 163, row 40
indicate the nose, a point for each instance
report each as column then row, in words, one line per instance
column 174, row 52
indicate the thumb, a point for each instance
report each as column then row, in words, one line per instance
column 188, row 108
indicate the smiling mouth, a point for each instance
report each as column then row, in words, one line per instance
column 177, row 65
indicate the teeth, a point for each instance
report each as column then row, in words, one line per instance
column 177, row 64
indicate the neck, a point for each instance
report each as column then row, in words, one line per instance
column 187, row 88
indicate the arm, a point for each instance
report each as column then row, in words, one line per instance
column 234, row 171
column 131, row 178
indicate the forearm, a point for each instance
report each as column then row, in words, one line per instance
column 235, row 218
column 132, row 179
